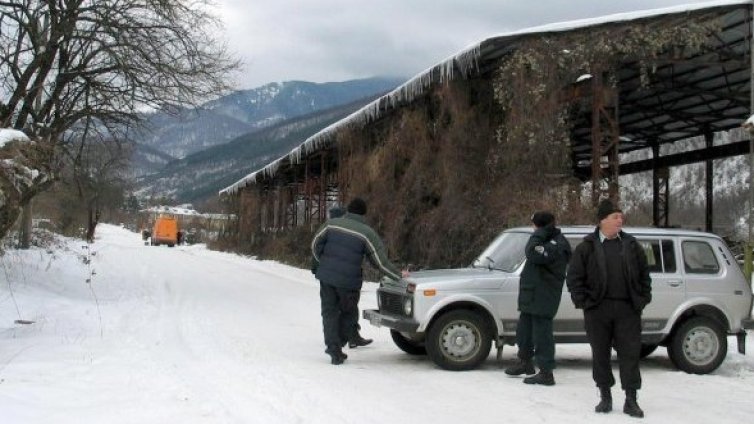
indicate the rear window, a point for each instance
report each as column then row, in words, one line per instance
column 699, row 258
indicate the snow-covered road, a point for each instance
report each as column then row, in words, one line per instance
column 187, row 335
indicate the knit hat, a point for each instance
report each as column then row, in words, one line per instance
column 606, row 208
column 542, row 218
column 358, row 206
column 336, row 212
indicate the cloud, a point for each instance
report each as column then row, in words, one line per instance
column 334, row 40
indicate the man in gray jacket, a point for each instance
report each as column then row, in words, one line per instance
column 339, row 248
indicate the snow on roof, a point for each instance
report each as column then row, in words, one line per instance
column 173, row 210
column 465, row 61
column 8, row 134
column 185, row 209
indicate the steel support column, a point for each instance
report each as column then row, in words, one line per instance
column 660, row 191
column 322, row 189
column 266, row 199
column 708, row 178
column 284, row 203
column 276, row 209
column 290, row 208
column 605, row 141
column 294, row 192
column 307, row 194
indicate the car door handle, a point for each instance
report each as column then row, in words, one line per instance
column 674, row 283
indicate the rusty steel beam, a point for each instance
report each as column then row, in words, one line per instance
column 605, row 140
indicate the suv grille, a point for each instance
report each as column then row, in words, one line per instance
column 391, row 303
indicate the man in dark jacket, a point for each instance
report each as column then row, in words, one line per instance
column 339, row 248
column 356, row 340
column 540, row 289
column 609, row 279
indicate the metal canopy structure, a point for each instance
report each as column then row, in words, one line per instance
column 690, row 95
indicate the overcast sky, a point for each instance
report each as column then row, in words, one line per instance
column 337, row 40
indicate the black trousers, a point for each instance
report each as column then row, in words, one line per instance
column 615, row 323
column 535, row 340
column 340, row 314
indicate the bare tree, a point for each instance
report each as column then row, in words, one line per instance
column 96, row 165
column 66, row 64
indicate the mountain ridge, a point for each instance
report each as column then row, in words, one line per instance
column 224, row 139
column 189, row 130
column 200, row 175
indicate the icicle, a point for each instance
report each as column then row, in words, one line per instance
column 466, row 62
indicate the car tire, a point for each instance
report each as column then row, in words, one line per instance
column 407, row 345
column 459, row 340
column 698, row 346
column 647, row 349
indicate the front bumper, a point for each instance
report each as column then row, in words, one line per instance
column 402, row 324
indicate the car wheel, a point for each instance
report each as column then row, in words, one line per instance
column 407, row 345
column 698, row 346
column 647, row 349
column 459, row 340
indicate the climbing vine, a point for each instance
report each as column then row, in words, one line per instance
column 529, row 84
column 446, row 173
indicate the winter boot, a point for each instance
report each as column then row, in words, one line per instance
column 606, row 401
column 358, row 341
column 524, row 366
column 336, row 355
column 631, row 407
column 544, row 377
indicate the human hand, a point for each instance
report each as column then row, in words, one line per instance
column 405, row 273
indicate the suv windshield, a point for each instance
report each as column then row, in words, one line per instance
column 506, row 253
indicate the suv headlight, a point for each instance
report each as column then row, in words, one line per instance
column 408, row 306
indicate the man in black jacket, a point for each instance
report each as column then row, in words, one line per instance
column 339, row 248
column 541, row 286
column 609, row 279
column 356, row 340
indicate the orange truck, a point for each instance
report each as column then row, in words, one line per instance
column 165, row 231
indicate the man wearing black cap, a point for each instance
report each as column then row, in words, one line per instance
column 609, row 279
column 541, row 285
column 339, row 248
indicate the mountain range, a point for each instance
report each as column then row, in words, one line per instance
column 190, row 154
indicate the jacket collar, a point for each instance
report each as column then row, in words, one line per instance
column 355, row 217
column 604, row 237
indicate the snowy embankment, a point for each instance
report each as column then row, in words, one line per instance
column 187, row 335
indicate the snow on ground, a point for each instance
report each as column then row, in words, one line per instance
column 188, row 335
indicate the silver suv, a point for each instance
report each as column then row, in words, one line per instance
column 699, row 296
